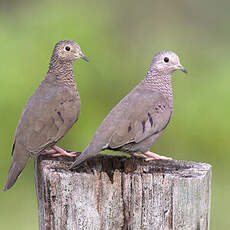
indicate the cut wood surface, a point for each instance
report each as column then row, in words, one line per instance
column 109, row 193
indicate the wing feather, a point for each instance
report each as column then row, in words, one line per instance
column 148, row 113
column 48, row 115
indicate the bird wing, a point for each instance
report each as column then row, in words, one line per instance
column 48, row 115
column 146, row 112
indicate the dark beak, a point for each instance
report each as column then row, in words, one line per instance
column 85, row 58
column 180, row 67
column 184, row 70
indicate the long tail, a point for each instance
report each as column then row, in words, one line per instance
column 85, row 155
column 15, row 170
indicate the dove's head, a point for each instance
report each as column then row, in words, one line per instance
column 67, row 50
column 167, row 62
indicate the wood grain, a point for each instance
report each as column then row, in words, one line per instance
column 109, row 193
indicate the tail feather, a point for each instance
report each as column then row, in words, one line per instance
column 15, row 170
column 85, row 155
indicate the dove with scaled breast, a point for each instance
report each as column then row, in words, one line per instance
column 141, row 117
column 50, row 112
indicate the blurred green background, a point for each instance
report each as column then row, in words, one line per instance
column 120, row 39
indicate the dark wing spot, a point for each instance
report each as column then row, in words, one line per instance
column 143, row 126
column 61, row 103
column 60, row 116
column 13, row 147
column 129, row 128
column 71, row 100
column 150, row 119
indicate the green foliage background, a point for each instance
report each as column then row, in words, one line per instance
column 120, row 39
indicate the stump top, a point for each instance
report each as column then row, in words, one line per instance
column 110, row 164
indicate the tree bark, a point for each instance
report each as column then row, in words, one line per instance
column 109, row 193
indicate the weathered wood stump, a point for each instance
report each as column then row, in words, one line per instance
column 109, row 193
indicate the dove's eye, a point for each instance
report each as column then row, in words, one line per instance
column 166, row 59
column 67, row 48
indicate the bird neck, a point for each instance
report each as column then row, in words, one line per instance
column 160, row 81
column 62, row 70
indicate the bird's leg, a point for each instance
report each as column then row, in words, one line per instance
column 62, row 152
column 57, row 151
column 139, row 155
column 49, row 152
column 153, row 156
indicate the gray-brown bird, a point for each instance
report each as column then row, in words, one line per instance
column 50, row 112
column 141, row 117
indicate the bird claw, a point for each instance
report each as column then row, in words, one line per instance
column 153, row 156
column 71, row 154
column 49, row 152
column 57, row 152
column 149, row 156
column 161, row 158
column 64, row 154
column 139, row 155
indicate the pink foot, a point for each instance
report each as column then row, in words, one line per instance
column 154, row 156
column 57, row 151
column 139, row 155
column 49, row 152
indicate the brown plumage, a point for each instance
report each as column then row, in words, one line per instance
column 140, row 118
column 50, row 112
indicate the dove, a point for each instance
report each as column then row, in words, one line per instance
column 49, row 113
column 141, row 117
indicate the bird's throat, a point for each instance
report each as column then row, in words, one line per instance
column 161, row 82
column 63, row 71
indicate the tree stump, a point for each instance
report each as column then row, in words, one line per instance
column 109, row 193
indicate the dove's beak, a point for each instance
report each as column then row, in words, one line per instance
column 180, row 67
column 84, row 57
